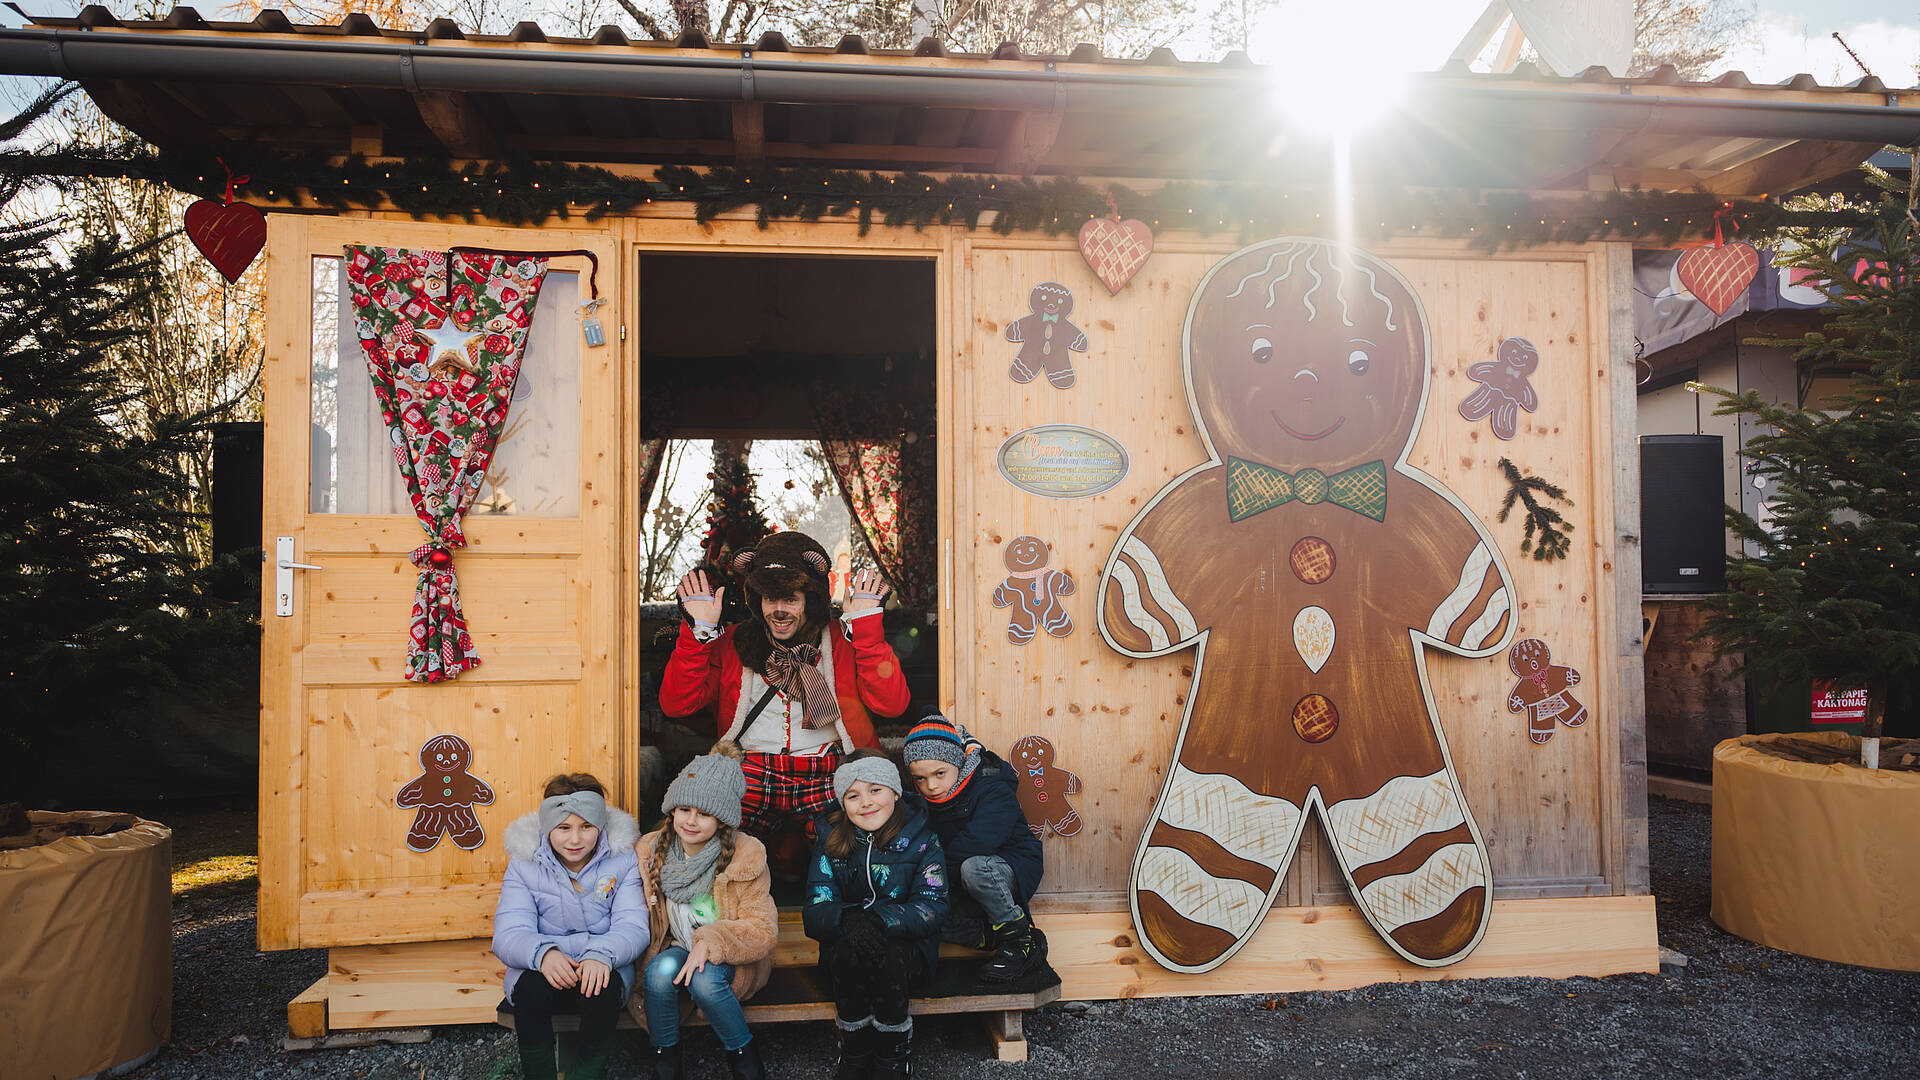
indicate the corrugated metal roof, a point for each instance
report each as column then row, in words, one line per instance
column 609, row 99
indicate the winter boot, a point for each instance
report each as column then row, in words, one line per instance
column 538, row 1063
column 592, row 1066
column 893, row 1059
column 1018, row 950
column 667, row 1063
column 856, row 1052
column 745, row 1062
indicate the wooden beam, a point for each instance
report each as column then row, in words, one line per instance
column 609, row 149
column 749, row 134
column 1481, row 32
column 1008, row 1036
column 1793, row 166
column 368, row 139
column 455, row 121
column 1029, row 140
column 307, row 1014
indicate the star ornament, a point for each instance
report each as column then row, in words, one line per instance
column 453, row 344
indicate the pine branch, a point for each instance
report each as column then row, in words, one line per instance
column 1546, row 531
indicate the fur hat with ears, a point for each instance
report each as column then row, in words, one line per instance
column 783, row 564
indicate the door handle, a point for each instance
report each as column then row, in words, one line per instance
column 283, row 568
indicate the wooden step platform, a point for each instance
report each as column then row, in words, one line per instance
column 800, row 993
column 424, row 983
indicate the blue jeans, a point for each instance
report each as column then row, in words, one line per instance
column 711, row 989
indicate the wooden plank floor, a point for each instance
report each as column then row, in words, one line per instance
column 1317, row 948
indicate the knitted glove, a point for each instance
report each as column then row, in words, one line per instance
column 865, row 936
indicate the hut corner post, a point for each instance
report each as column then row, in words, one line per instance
column 1630, row 690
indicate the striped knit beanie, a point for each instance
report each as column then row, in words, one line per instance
column 938, row 739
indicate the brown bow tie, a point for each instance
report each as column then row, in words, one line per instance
column 794, row 671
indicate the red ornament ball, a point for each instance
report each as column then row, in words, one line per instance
column 440, row 558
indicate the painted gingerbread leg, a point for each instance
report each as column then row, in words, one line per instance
column 1419, row 872
column 1019, row 372
column 464, row 828
column 1575, row 713
column 428, row 823
column 1539, row 725
column 1062, row 378
column 1212, row 858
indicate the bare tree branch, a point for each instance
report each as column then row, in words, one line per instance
column 645, row 21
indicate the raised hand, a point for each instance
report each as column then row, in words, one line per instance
column 701, row 600
column 867, row 591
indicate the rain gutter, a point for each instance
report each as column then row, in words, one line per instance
column 744, row 74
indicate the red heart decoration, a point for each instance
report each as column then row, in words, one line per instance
column 1116, row 250
column 1718, row 275
column 230, row 235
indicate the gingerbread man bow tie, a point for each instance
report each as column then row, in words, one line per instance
column 1253, row 488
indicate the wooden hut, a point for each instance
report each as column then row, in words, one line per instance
column 549, row 582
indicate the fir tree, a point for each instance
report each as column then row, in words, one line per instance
column 100, row 605
column 1831, row 587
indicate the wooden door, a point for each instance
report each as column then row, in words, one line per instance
column 341, row 730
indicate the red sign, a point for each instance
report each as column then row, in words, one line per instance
column 1845, row 707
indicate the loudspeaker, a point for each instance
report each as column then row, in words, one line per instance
column 1683, row 530
column 237, row 496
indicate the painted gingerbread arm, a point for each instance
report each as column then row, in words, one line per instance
column 413, row 794
column 1016, row 330
column 692, row 679
column 1146, row 587
column 1473, row 613
column 1005, row 597
column 1079, row 343
column 1063, row 583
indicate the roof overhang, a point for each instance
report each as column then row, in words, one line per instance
column 188, row 85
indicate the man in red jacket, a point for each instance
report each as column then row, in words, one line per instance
column 792, row 685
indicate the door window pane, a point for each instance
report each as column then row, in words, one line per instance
column 534, row 473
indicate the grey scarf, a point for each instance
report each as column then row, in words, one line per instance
column 684, row 879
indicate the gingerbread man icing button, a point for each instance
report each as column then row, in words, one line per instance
column 1308, row 367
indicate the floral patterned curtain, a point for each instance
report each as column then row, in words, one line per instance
column 880, row 450
column 443, row 335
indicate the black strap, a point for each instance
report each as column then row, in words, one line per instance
column 757, row 707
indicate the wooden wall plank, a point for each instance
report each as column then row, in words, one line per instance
column 1629, row 674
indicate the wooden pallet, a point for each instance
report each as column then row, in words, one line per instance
column 799, row 993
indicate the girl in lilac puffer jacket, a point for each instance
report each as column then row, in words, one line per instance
column 571, row 921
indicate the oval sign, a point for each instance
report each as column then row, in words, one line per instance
column 1063, row 461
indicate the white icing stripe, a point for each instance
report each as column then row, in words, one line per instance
column 1482, row 627
column 1472, row 575
column 1137, row 612
column 1258, row 828
column 1385, row 822
column 1408, row 898
column 1157, row 585
column 1226, row 903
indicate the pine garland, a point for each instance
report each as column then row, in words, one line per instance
column 1546, row 531
column 529, row 193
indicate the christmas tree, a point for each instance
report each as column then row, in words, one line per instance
column 734, row 520
column 100, row 604
column 1829, row 589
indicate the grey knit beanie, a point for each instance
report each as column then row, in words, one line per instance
column 712, row 783
column 874, row 770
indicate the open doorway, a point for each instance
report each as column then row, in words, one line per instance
column 793, row 392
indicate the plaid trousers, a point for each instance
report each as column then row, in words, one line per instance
column 785, row 791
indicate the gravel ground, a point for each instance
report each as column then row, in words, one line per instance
column 1740, row 1010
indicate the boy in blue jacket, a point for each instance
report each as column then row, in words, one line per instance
column 571, row 921
column 973, row 805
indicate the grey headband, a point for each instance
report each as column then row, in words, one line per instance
column 589, row 805
column 874, row 770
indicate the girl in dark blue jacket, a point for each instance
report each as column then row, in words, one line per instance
column 876, row 898
column 973, row 804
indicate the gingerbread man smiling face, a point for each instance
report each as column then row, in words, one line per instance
column 1342, row 385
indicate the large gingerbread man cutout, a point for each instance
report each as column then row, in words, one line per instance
column 1312, row 569
column 445, row 795
column 1033, row 592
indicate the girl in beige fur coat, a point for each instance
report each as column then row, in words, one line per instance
column 709, row 898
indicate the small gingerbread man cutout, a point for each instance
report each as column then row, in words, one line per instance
column 1045, row 337
column 446, row 795
column 1542, row 691
column 1044, row 788
column 1504, row 389
column 1033, row 592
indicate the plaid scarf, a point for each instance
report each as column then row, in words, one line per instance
column 794, row 671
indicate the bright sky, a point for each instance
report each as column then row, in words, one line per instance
column 1359, row 36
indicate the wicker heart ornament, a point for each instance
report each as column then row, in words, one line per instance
column 230, row 234
column 1718, row 275
column 1115, row 249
